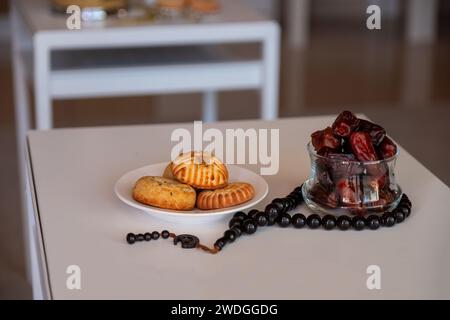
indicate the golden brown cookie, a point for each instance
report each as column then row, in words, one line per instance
column 164, row 193
column 200, row 170
column 233, row 194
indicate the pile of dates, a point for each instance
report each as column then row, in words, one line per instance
column 346, row 169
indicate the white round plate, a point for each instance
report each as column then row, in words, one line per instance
column 125, row 184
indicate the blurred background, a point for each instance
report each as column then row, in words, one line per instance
column 398, row 76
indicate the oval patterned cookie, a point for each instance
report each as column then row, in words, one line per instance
column 164, row 193
column 168, row 172
column 233, row 194
column 200, row 170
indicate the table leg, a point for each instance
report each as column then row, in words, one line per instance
column 43, row 103
column 297, row 14
column 22, row 116
column 418, row 76
column 37, row 277
column 210, row 106
column 271, row 66
column 421, row 18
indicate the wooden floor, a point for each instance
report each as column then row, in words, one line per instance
column 405, row 89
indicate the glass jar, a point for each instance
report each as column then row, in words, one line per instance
column 339, row 185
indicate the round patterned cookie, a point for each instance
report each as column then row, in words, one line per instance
column 164, row 193
column 233, row 194
column 200, row 170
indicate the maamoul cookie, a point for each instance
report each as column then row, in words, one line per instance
column 233, row 194
column 164, row 193
column 200, row 170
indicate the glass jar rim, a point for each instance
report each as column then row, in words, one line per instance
column 313, row 152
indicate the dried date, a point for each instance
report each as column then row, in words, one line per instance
column 325, row 138
column 345, row 146
column 387, row 148
column 347, row 190
column 345, row 124
column 362, row 147
column 324, row 196
column 376, row 132
column 339, row 165
column 377, row 170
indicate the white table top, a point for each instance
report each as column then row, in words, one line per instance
column 83, row 223
column 40, row 17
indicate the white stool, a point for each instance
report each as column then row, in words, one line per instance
column 47, row 33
